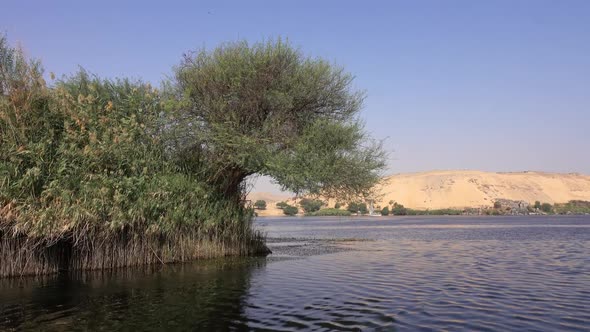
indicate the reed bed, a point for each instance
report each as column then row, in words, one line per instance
column 22, row 256
column 91, row 178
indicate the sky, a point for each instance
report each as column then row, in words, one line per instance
column 484, row 85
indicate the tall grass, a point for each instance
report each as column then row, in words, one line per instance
column 88, row 179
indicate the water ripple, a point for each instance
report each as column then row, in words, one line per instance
column 408, row 274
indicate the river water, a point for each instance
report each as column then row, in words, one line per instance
column 350, row 274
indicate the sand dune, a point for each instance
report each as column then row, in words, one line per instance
column 271, row 201
column 461, row 189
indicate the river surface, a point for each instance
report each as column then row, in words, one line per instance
column 349, row 274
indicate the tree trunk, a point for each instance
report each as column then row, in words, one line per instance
column 231, row 184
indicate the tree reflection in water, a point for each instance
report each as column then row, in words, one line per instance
column 207, row 295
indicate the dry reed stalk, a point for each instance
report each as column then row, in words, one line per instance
column 21, row 256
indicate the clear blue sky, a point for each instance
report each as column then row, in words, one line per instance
column 487, row 85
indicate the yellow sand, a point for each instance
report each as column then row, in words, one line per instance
column 271, row 201
column 460, row 189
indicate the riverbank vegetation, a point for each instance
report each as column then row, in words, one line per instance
column 329, row 212
column 260, row 204
column 399, row 210
column 500, row 207
column 104, row 173
column 571, row 207
column 290, row 210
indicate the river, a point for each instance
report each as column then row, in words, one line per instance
column 350, row 274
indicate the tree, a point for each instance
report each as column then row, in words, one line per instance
column 337, row 205
column 353, row 207
column 497, row 205
column 260, row 204
column 88, row 180
column 290, row 210
column 267, row 109
column 311, row 205
column 537, row 205
column 360, row 208
column 281, row 205
column 385, row 211
column 546, row 207
column 399, row 210
column 363, row 208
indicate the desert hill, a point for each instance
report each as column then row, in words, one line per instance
column 461, row 189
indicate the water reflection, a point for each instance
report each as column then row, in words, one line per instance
column 205, row 295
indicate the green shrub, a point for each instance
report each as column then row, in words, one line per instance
column 260, row 204
column 281, row 205
column 330, row 212
column 573, row 207
column 363, row 208
column 290, row 210
column 399, row 210
column 385, row 211
column 546, row 207
column 445, row 212
column 85, row 164
column 311, row 205
column 353, row 207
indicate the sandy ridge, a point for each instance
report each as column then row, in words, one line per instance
column 461, row 189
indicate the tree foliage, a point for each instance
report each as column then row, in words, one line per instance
column 360, row 208
column 260, row 204
column 573, row 207
column 85, row 152
column 353, row 207
column 311, row 205
column 546, row 207
column 84, row 161
column 268, row 109
column 329, row 212
column 87, row 160
column 281, row 205
column 399, row 210
column 290, row 210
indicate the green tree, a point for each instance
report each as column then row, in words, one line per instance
column 260, row 204
column 537, row 205
column 363, row 208
column 353, row 207
column 546, row 207
column 399, row 210
column 311, row 205
column 267, row 109
column 290, row 210
column 88, row 178
column 281, row 205
column 385, row 211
